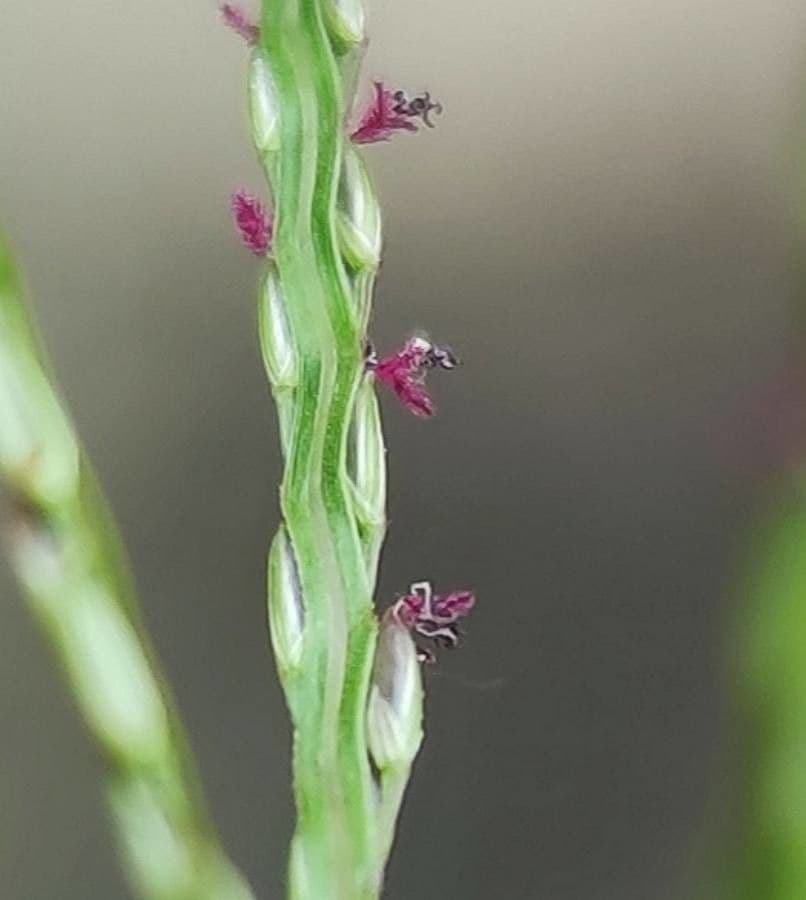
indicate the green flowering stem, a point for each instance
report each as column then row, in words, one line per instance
column 313, row 312
column 67, row 557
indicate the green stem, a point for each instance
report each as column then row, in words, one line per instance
column 334, row 845
column 313, row 316
column 67, row 556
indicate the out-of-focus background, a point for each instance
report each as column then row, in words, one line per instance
column 602, row 226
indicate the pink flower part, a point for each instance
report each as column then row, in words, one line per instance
column 393, row 111
column 434, row 616
column 252, row 222
column 236, row 19
column 405, row 371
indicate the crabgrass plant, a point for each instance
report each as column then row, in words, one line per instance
column 352, row 678
column 352, row 683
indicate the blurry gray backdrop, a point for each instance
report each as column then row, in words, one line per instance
column 601, row 226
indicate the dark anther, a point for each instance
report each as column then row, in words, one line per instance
column 446, row 636
column 370, row 356
column 424, row 106
column 444, row 357
column 440, row 357
column 417, row 108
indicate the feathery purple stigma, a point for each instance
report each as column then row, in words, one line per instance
column 433, row 616
column 405, row 371
column 252, row 222
column 392, row 111
column 236, row 19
